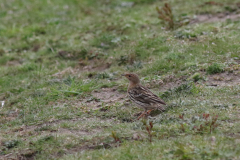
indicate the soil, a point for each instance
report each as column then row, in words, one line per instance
column 93, row 65
column 220, row 17
column 13, row 63
column 106, row 96
column 223, row 79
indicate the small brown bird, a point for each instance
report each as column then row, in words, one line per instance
column 142, row 96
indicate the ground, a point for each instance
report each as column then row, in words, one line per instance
column 62, row 95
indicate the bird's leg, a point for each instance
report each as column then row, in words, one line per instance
column 141, row 115
column 149, row 111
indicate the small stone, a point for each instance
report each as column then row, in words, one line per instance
column 237, row 141
column 135, row 136
column 213, row 140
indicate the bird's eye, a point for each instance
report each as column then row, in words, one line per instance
column 129, row 76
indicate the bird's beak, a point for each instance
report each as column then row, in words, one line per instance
column 123, row 74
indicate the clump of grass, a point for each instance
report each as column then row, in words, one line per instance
column 44, row 128
column 209, row 125
column 196, row 77
column 174, row 56
column 46, row 138
column 166, row 15
column 80, row 54
column 184, row 34
column 2, row 52
column 126, row 59
column 215, row 68
column 103, row 75
column 149, row 128
column 183, row 152
column 182, row 125
column 143, row 1
column 205, row 124
column 11, row 143
column 72, row 87
column 123, row 60
column 115, row 137
column 135, row 66
column 106, row 41
column 185, row 88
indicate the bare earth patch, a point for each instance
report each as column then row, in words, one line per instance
column 223, row 79
column 95, row 66
column 170, row 85
column 221, row 17
column 13, row 63
column 106, row 96
column 91, row 66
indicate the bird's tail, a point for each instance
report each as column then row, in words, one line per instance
column 161, row 108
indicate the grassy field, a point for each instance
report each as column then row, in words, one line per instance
column 63, row 97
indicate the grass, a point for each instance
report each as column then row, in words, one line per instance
column 215, row 68
column 60, row 65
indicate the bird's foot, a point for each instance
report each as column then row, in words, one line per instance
column 143, row 114
column 149, row 111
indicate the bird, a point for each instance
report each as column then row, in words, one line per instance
column 142, row 96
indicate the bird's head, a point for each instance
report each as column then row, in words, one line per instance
column 133, row 78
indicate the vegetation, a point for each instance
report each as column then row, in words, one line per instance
column 63, row 97
column 215, row 68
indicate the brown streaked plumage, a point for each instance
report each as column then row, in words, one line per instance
column 142, row 96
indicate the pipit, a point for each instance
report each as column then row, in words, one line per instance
column 142, row 96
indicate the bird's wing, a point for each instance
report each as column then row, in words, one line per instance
column 144, row 95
